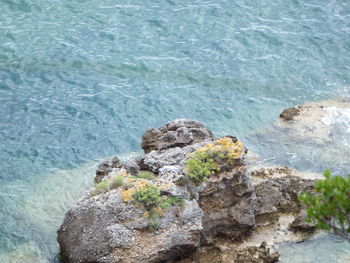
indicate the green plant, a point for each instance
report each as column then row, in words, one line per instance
column 100, row 188
column 165, row 201
column 208, row 160
column 116, row 181
column 149, row 195
column 146, row 175
column 155, row 203
column 329, row 205
column 201, row 166
column 153, row 222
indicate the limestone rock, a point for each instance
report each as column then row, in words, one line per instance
column 290, row 113
column 228, row 203
column 256, row 255
column 106, row 167
column 231, row 204
column 106, row 229
column 299, row 223
column 131, row 167
column 180, row 132
column 279, row 195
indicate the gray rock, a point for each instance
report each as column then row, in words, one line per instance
column 104, row 168
column 279, row 195
column 131, row 167
column 299, row 223
column 178, row 133
column 228, row 202
column 156, row 160
column 106, row 228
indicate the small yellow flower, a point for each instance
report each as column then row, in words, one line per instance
column 127, row 195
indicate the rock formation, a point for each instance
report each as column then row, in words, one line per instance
column 180, row 132
column 149, row 209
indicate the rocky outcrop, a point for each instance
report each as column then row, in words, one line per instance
column 290, row 113
column 106, row 167
column 111, row 225
column 180, row 132
column 107, row 229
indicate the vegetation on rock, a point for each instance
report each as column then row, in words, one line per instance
column 119, row 180
column 146, row 175
column 155, row 203
column 329, row 205
column 209, row 159
column 148, row 196
column 100, row 188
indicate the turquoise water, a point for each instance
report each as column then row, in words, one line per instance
column 81, row 80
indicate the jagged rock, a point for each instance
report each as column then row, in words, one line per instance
column 279, row 195
column 155, row 160
column 180, row 132
column 228, row 202
column 106, row 229
column 290, row 113
column 256, row 255
column 110, row 228
column 106, row 167
column 131, row 167
column 299, row 223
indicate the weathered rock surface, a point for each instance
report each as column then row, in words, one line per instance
column 106, row 167
column 106, row 229
column 299, row 223
column 256, row 255
column 180, row 132
column 232, row 205
column 290, row 113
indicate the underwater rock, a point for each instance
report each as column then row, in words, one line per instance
column 312, row 137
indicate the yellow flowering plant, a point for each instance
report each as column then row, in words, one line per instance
column 209, row 159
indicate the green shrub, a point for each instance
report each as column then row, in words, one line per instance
column 165, row 201
column 155, row 203
column 149, row 196
column 100, row 188
column 146, row 175
column 329, row 205
column 116, row 181
column 208, row 160
column 153, row 222
column 201, row 166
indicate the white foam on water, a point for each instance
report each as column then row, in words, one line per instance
column 337, row 116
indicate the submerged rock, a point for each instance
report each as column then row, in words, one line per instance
column 159, row 214
column 313, row 136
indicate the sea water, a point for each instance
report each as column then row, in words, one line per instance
column 82, row 80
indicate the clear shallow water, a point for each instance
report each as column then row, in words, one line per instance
column 81, row 80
